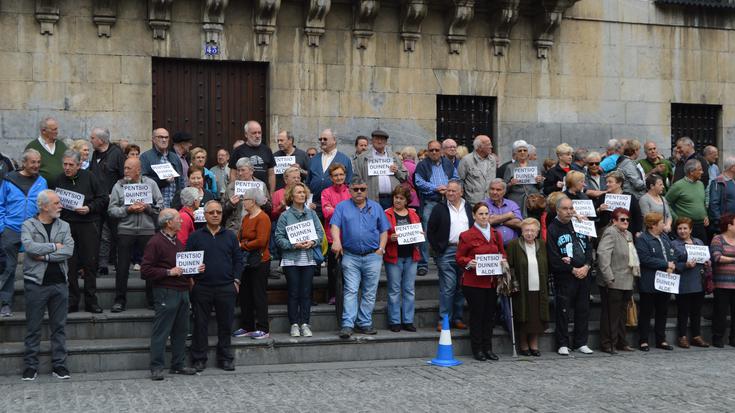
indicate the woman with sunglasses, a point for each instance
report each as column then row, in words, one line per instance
column 654, row 200
column 517, row 191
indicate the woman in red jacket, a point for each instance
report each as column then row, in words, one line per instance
column 480, row 290
column 400, row 263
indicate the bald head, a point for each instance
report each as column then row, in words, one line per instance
column 161, row 139
column 132, row 169
column 327, row 140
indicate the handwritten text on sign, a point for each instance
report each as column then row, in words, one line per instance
column 410, row 234
column 301, row 232
column 137, row 193
column 283, row 163
column 189, row 261
column 199, row 215
column 379, row 166
column 697, row 253
column 242, row 186
column 584, row 207
column 584, row 227
column 526, row 175
column 69, row 199
column 489, row 264
column 668, row 283
column 617, row 201
column 165, row 171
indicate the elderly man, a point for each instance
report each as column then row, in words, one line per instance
column 170, row 294
column 221, row 171
column 319, row 165
column 687, row 199
column 722, row 193
column 136, row 224
column 359, row 233
column 159, row 155
column 449, row 151
column 50, row 147
column 505, row 215
column 449, row 219
column 710, row 154
column 286, row 147
column 380, row 185
column 477, row 169
column 685, row 148
column 83, row 222
column 361, row 145
column 216, row 287
column 570, row 260
column 578, row 159
column 181, row 146
column 18, row 193
column 260, row 155
column 48, row 244
column 654, row 163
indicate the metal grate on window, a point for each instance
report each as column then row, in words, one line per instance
column 699, row 122
column 464, row 117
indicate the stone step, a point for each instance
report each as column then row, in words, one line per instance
column 133, row 353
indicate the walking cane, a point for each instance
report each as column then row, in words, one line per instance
column 512, row 328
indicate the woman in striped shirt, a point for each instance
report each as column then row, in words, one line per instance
column 722, row 250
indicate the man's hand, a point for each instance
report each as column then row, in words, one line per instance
column 539, row 179
column 379, row 251
column 176, row 272
column 82, row 211
column 566, row 260
column 691, row 264
column 706, row 221
column 442, row 189
column 235, row 199
column 202, row 268
column 560, row 184
column 337, row 248
column 513, row 181
column 171, row 179
column 59, row 246
column 394, row 168
column 671, row 267
column 237, row 287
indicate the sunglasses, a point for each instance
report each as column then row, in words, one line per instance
column 623, row 219
column 434, row 150
column 323, row 139
column 363, row 189
column 593, row 163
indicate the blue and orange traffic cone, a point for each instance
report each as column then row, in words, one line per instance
column 444, row 354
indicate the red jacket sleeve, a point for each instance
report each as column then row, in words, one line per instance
column 464, row 249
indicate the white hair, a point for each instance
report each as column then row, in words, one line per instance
column 189, row 196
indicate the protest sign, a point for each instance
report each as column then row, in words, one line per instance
column 165, row 171
column 69, row 199
column 301, row 232
column 584, row 227
column 283, row 163
column 584, row 207
column 379, row 166
column 242, row 186
column 133, row 193
column 697, row 253
column 410, row 234
column 666, row 282
column 617, row 201
column 526, row 175
column 199, row 215
column 189, row 261
column 489, row 264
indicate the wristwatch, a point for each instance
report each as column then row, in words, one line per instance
column 382, row 250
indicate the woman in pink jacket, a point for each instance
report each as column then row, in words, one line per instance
column 332, row 196
column 409, row 162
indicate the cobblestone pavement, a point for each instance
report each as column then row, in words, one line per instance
column 682, row 380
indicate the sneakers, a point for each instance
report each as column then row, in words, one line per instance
column 118, row 308
column 345, row 333
column 136, row 267
column 564, row 351
column 421, row 271
column 585, row 350
column 240, row 332
column 305, row 330
column 5, row 311
column 333, row 301
column 60, row 372
column 29, row 374
column 157, row 374
column 295, row 332
column 259, row 335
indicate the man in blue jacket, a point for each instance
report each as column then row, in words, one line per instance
column 160, row 154
column 318, row 178
column 18, row 195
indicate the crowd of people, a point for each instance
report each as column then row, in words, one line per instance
column 204, row 237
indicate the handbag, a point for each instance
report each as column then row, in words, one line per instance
column 252, row 258
column 632, row 314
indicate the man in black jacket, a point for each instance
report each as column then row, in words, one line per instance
column 84, row 224
column 570, row 260
column 685, row 147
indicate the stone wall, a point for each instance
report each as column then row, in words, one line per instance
column 613, row 70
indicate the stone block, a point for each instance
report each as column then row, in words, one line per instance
column 572, row 87
column 16, row 66
column 512, row 109
column 422, row 107
column 284, row 102
column 136, row 70
column 577, row 59
column 557, row 111
column 54, row 67
column 604, row 88
column 15, row 94
column 185, row 40
column 448, row 82
column 591, row 136
column 90, row 97
column 516, row 85
column 389, row 49
column 102, row 68
column 335, row 76
column 8, row 32
column 581, row 31
column 645, row 90
column 602, row 111
column 132, row 98
column 655, row 62
column 47, row 95
column 545, row 136
column 641, row 113
column 385, row 79
column 640, row 132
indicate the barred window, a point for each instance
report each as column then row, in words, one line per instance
column 699, row 122
column 464, row 117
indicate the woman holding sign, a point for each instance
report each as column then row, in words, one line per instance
column 195, row 179
column 199, row 159
column 484, row 246
column 401, row 258
column 656, row 255
column 723, row 255
column 522, row 176
column 691, row 293
column 614, row 181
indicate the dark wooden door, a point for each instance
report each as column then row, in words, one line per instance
column 211, row 100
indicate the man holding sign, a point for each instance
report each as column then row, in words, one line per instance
column 295, row 156
column 380, row 179
column 170, row 295
column 166, row 183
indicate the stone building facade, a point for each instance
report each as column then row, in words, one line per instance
column 581, row 72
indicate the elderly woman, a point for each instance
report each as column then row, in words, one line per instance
column 722, row 250
column 190, row 201
column 195, row 179
column 298, row 259
column 686, row 197
column 530, row 271
column 554, row 178
column 691, row 292
column 480, row 290
column 199, row 158
column 408, row 154
column 254, row 236
column 233, row 210
column 517, row 191
column 132, row 151
column 654, row 201
column 332, row 196
column 655, row 254
column 82, row 146
column 618, row 264
column 291, row 176
column 595, row 179
column 633, row 179
column 614, row 181
column 401, row 264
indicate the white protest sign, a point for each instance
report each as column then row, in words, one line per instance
column 584, row 207
column 410, row 234
column 199, row 215
column 668, row 283
column 301, row 232
column 310, row 199
column 69, row 199
column 242, row 186
column 379, row 166
column 165, row 171
column 489, row 264
column 189, row 261
column 617, row 201
column 697, row 253
column 283, row 163
column 137, row 193
column 584, row 227
column 526, row 175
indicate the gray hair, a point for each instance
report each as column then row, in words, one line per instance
column 580, row 154
column 613, row 144
column 74, row 155
column 592, row 155
column 498, row 181
column 44, row 197
column 246, row 127
column 356, row 180
column 27, row 152
column 189, row 196
column 256, row 195
column 289, row 134
column 476, row 142
column 244, row 163
column 212, row 201
column 728, row 163
column 559, row 201
column 167, row 215
column 691, row 165
column 531, row 149
column 685, row 140
column 43, row 123
column 709, row 149
column 102, row 134
column 456, row 182
column 290, row 170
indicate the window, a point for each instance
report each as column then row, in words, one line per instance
column 464, row 117
column 699, row 122
column 720, row 4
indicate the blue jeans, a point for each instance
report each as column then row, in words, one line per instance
column 425, row 214
column 299, row 281
column 360, row 273
column 10, row 246
column 401, row 292
column 451, row 299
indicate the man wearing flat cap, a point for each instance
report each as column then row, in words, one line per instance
column 182, row 145
column 372, row 167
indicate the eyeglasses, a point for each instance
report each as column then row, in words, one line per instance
column 434, row 150
column 161, row 137
column 593, row 163
column 311, row 155
column 214, row 212
column 623, row 219
column 361, row 189
column 323, row 139
column 521, row 150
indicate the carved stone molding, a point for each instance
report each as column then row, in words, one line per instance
column 266, row 12
column 213, row 21
column 47, row 14
column 413, row 13
column 502, row 21
column 546, row 23
column 316, row 16
column 364, row 12
column 159, row 17
column 104, row 16
column 462, row 13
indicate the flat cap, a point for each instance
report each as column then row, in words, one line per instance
column 379, row 133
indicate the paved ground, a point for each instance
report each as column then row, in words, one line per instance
column 685, row 380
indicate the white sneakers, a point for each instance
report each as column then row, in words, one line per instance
column 295, row 332
column 563, row 351
column 305, row 330
column 585, row 350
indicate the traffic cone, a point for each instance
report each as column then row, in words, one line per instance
column 444, row 354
